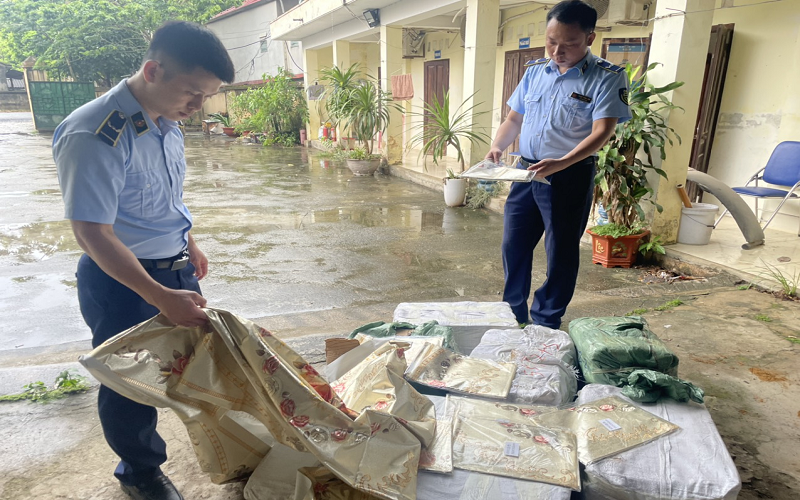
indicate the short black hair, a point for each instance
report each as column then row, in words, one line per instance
column 574, row 12
column 189, row 46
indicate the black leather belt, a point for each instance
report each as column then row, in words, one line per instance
column 173, row 263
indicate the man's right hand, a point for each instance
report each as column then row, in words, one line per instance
column 182, row 307
column 494, row 154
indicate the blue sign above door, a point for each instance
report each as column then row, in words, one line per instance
column 437, row 54
column 525, row 43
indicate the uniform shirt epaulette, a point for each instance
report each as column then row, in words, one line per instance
column 608, row 66
column 111, row 129
column 538, row 61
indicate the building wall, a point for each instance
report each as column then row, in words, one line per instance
column 14, row 100
column 451, row 48
column 241, row 32
column 760, row 106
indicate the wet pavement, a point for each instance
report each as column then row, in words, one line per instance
column 286, row 233
column 307, row 250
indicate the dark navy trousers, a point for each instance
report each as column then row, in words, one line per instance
column 560, row 212
column 109, row 307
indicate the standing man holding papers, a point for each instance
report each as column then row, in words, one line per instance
column 121, row 168
column 565, row 109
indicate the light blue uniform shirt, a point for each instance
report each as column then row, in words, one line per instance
column 559, row 109
column 124, row 170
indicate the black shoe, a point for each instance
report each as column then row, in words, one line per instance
column 157, row 488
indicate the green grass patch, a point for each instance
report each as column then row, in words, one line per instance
column 669, row 305
column 746, row 286
column 764, row 318
column 66, row 383
column 637, row 312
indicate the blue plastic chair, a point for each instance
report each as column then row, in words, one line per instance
column 782, row 169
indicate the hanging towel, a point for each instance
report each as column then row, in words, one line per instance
column 402, row 87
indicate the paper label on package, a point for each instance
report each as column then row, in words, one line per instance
column 511, row 449
column 610, row 424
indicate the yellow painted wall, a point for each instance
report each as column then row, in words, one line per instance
column 450, row 45
column 760, row 105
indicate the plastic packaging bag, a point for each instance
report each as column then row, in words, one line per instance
column 489, row 171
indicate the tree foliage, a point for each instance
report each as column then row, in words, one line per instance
column 91, row 40
column 277, row 108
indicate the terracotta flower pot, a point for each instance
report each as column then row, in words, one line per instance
column 230, row 132
column 363, row 167
column 615, row 252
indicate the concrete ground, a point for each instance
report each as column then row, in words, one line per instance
column 309, row 251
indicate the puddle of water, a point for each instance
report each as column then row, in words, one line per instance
column 36, row 242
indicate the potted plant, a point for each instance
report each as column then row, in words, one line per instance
column 226, row 122
column 621, row 184
column 455, row 189
column 338, row 92
column 366, row 115
column 437, row 130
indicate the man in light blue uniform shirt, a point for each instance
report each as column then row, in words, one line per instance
column 564, row 110
column 121, row 168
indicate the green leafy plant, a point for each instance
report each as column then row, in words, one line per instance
column 277, row 108
column 339, row 84
column 615, row 230
column 222, row 118
column 621, row 183
column 669, row 305
column 653, row 244
column 359, row 153
column 66, row 383
column 367, row 113
column 787, row 282
column 746, row 286
column 451, row 174
column 763, row 318
column 438, row 129
column 637, row 312
column 479, row 195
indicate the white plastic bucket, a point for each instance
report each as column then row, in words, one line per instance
column 697, row 223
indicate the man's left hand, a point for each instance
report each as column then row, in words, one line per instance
column 199, row 261
column 548, row 167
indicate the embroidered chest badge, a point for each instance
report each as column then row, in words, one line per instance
column 111, row 129
column 581, row 97
column 139, row 123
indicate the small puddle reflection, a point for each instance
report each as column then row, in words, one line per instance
column 36, row 242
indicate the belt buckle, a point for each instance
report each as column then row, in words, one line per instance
column 180, row 263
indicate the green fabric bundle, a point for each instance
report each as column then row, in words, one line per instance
column 610, row 348
column 647, row 386
column 429, row 329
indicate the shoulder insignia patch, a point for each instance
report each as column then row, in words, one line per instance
column 536, row 62
column 139, row 123
column 111, row 129
column 608, row 66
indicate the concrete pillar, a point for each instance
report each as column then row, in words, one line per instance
column 3, row 79
column 341, row 54
column 392, row 64
column 680, row 43
column 311, row 65
column 480, row 54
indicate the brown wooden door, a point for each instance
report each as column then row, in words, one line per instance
column 719, row 50
column 437, row 82
column 513, row 71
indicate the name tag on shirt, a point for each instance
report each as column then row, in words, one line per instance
column 581, row 97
